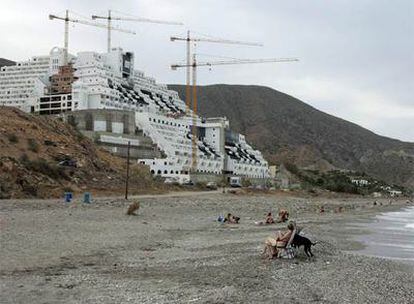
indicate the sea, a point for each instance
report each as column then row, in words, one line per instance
column 389, row 235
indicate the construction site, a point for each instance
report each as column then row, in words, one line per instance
column 117, row 106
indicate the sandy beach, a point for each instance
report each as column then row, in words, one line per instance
column 175, row 251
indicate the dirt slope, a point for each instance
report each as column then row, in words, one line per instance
column 31, row 148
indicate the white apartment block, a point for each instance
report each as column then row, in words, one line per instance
column 108, row 81
column 22, row 84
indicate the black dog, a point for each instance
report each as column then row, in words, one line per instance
column 299, row 240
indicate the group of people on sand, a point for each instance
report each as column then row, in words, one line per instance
column 283, row 216
column 229, row 219
column 275, row 246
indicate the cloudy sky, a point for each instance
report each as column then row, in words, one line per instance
column 356, row 57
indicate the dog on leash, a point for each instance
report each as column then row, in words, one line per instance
column 299, row 240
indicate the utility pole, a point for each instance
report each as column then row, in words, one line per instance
column 127, row 171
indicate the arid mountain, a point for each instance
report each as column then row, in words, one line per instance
column 289, row 130
column 43, row 157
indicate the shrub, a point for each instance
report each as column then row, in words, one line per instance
column 29, row 189
column 24, row 158
column 72, row 122
column 49, row 143
column 42, row 166
column 13, row 138
column 246, row 182
column 68, row 189
column 292, row 168
column 33, row 145
column 79, row 135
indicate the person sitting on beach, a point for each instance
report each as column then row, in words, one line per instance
column 280, row 241
column 269, row 219
column 231, row 219
column 283, row 215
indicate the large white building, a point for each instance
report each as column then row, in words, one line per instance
column 23, row 83
column 109, row 81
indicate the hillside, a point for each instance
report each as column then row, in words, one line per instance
column 5, row 62
column 32, row 149
column 288, row 130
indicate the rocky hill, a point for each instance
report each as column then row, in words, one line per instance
column 289, row 130
column 43, row 157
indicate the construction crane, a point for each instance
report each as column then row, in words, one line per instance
column 188, row 39
column 109, row 18
column 193, row 65
column 67, row 20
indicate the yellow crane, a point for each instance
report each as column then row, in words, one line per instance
column 109, row 18
column 194, row 64
column 68, row 19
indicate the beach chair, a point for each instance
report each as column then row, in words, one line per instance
column 287, row 252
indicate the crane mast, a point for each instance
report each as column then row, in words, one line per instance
column 109, row 31
column 66, row 43
column 191, row 88
column 109, row 18
column 194, row 129
column 188, row 73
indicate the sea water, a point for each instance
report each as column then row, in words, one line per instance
column 390, row 235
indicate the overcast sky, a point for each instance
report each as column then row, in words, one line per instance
column 356, row 57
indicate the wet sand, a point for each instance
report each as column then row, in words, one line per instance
column 175, row 252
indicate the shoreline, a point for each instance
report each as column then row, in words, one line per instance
column 175, row 252
column 386, row 235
